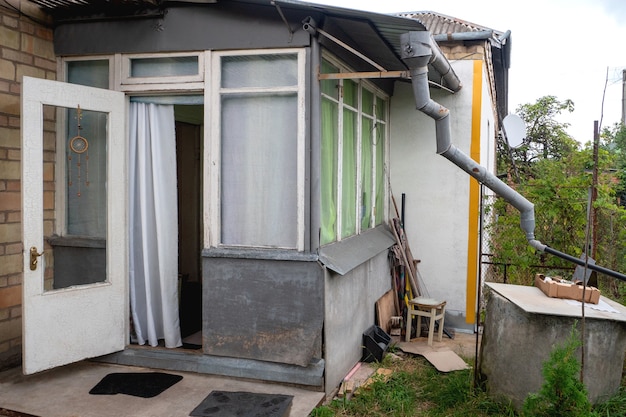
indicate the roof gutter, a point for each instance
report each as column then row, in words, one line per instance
column 464, row 36
column 479, row 35
column 417, row 53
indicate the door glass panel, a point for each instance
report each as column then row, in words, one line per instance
column 86, row 173
column 76, row 247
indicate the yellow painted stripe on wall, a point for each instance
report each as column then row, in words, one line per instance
column 474, row 195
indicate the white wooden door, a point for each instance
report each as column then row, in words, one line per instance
column 87, row 315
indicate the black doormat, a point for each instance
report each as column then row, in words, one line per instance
column 138, row 384
column 243, row 404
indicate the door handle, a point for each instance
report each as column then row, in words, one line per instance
column 33, row 257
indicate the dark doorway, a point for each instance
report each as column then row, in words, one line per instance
column 189, row 170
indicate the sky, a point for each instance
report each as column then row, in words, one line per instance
column 570, row 49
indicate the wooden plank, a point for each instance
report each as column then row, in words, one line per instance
column 364, row 75
column 385, row 309
column 404, row 258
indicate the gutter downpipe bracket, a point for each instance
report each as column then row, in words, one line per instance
column 285, row 21
column 417, row 54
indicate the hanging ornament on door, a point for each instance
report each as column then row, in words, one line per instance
column 79, row 146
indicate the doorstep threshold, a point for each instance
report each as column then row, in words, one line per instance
column 310, row 377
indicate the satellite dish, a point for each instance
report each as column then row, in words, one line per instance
column 514, row 130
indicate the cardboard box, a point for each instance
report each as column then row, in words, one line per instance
column 568, row 290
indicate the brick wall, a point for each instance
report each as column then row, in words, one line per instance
column 25, row 49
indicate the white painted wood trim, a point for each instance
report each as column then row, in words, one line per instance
column 213, row 92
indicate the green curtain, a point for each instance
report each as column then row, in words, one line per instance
column 348, row 175
column 366, row 172
column 380, row 173
column 329, row 164
column 371, row 153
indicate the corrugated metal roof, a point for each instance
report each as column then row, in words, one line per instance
column 390, row 26
column 56, row 5
column 438, row 23
column 376, row 35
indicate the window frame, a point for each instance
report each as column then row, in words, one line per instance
column 213, row 94
column 207, row 83
column 126, row 66
column 377, row 93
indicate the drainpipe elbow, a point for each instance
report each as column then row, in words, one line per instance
column 537, row 245
column 442, row 132
column 527, row 222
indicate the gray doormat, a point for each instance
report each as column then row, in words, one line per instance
column 243, row 404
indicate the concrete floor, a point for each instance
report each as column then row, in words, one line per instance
column 64, row 392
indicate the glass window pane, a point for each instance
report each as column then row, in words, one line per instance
column 330, row 123
column 277, row 70
column 259, row 170
column 164, row 67
column 368, row 102
column 381, row 109
column 350, row 93
column 348, row 180
column 90, row 73
column 362, row 113
column 366, row 172
column 330, row 87
column 380, row 174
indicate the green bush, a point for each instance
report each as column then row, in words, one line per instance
column 562, row 393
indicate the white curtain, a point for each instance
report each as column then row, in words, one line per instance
column 153, row 225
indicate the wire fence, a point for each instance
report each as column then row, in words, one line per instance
column 500, row 272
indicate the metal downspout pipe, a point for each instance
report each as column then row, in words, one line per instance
column 417, row 54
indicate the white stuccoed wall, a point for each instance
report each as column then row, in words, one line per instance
column 437, row 191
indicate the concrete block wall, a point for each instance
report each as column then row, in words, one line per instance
column 25, row 49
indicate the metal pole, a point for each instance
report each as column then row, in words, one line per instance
column 593, row 219
column 624, row 96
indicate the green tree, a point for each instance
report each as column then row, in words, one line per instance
column 610, row 209
column 546, row 137
column 556, row 176
column 614, row 141
column 558, row 188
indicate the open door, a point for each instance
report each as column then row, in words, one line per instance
column 74, row 198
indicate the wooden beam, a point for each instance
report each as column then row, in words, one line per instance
column 359, row 75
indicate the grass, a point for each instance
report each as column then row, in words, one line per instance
column 416, row 388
